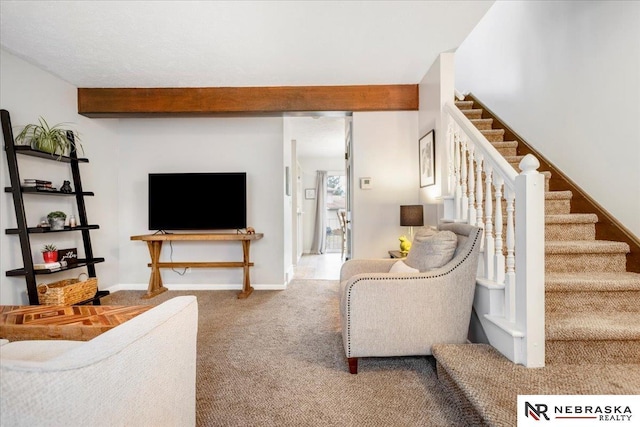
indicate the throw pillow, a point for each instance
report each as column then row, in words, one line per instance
column 432, row 251
column 401, row 267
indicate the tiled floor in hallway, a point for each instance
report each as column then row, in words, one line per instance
column 326, row 266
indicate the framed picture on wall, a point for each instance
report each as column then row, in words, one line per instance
column 310, row 193
column 427, row 156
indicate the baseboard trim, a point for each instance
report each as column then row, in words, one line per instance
column 195, row 287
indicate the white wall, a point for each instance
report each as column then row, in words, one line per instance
column 385, row 148
column 251, row 145
column 28, row 92
column 565, row 75
column 122, row 153
column 436, row 88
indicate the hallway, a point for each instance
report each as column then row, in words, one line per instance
column 325, row 267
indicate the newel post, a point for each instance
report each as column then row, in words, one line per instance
column 529, row 253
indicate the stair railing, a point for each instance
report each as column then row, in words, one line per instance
column 486, row 191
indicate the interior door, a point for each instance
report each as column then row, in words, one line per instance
column 349, row 190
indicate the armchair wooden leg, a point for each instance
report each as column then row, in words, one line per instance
column 353, row 364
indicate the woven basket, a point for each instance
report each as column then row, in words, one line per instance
column 68, row 291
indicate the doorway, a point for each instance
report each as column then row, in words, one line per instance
column 320, row 146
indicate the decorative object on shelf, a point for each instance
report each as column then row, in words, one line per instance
column 50, row 253
column 72, row 221
column 405, row 245
column 70, row 256
column 411, row 216
column 310, row 193
column 66, row 187
column 50, row 139
column 44, row 224
column 427, row 158
column 68, row 291
column 57, row 219
column 251, row 230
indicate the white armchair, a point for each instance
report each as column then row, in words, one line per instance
column 140, row 373
column 403, row 314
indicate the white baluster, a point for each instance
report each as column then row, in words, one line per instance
column 479, row 211
column 458, row 189
column 499, row 257
column 510, row 277
column 489, row 248
column 463, row 179
column 472, row 186
column 450, row 143
column 479, row 196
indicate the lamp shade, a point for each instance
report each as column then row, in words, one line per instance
column 411, row 215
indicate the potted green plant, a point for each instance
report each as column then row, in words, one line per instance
column 50, row 253
column 56, row 220
column 50, row 139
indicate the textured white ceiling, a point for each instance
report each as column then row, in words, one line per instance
column 235, row 43
column 239, row 43
column 318, row 136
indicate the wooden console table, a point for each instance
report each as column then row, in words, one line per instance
column 154, row 242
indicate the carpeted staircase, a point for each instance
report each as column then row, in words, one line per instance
column 592, row 302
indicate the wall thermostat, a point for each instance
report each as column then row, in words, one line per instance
column 365, row 183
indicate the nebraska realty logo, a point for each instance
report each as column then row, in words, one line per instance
column 578, row 410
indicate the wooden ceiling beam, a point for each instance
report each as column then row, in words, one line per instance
column 276, row 100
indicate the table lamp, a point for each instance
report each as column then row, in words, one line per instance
column 411, row 216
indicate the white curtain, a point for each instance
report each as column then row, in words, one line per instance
column 319, row 242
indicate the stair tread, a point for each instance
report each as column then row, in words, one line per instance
column 491, row 382
column 504, row 144
column 592, row 281
column 571, row 218
column 464, row 105
column 514, row 159
column 586, row 247
column 492, row 131
column 573, row 326
column 558, row 195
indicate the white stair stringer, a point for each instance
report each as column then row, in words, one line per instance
column 501, row 333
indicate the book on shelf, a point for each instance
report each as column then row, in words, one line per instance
column 39, row 184
column 36, row 181
column 36, row 184
column 47, row 266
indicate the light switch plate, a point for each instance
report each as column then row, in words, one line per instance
column 365, row 183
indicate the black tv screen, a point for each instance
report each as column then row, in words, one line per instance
column 197, row 201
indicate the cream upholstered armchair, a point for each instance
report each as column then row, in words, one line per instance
column 404, row 313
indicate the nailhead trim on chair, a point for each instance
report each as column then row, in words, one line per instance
column 475, row 241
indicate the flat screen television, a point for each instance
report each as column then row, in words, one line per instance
column 197, row 201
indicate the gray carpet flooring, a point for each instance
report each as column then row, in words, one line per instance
column 276, row 359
